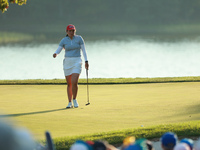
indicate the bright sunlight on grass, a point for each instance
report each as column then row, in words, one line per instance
column 113, row 107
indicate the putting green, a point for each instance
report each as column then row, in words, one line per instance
column 113, row 107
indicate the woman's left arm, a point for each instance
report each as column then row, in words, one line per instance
column 85, row 56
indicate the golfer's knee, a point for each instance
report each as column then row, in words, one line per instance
column 74, row 83
column 69, row 84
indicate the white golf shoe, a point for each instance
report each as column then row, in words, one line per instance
column 69, row 105
column 75, row 103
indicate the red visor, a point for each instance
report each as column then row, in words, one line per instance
column 70, row 27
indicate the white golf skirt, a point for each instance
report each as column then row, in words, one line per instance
column 72, row 65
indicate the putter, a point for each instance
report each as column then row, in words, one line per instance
column 87, row 89
column 49, row 141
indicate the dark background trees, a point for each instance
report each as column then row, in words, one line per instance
column 50, row 17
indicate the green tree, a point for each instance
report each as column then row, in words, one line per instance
column 4, row 4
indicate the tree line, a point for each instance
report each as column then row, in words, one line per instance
column 135, row 11
column 99, row 16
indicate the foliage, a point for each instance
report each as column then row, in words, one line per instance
column 19, row 2
column 4, row 4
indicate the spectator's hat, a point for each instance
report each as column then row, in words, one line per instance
column 90, row 143
column 128, row 141
column 133, row 147
column 169, row 139
column 189, row 142
column 80, row 145
column 139, row 144
column 142, row 143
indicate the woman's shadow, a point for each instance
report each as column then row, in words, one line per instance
column 31, row 113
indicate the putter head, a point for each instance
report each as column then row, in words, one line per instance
column 87, row 104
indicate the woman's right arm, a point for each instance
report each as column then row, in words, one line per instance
column 59, row 49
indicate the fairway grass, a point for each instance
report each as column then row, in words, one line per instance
column 113, row 107
column 103, row 80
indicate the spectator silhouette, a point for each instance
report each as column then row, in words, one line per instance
column 189, row 142
column 14, row 139
column 169, row 141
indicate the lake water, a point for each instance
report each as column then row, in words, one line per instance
column 107, row 59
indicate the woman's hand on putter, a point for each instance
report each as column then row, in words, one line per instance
column 54, row 55
column 86, row 65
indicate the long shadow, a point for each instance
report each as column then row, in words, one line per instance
column 31, row 113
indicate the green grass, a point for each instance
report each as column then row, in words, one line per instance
column 182, row 28
column 6, row 37
column 116, row 110
column 15, row 37
column 104, row 80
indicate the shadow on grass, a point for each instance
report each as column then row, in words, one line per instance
column 31, row 113
column 187, row 113
column 190, row 111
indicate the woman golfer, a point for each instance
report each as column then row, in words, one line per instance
column 72, row 63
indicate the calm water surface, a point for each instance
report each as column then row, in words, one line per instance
column 107, row 59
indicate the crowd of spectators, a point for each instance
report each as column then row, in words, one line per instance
column 12, row 138
column 168, row 141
